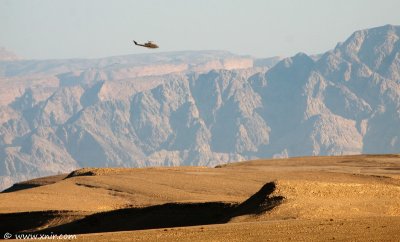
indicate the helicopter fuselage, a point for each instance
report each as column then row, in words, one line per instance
column 149, row 44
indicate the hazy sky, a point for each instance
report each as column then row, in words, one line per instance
column 44, row 29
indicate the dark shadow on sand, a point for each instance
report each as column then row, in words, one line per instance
column 168, row 215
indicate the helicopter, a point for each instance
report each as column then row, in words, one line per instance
column 149, row 44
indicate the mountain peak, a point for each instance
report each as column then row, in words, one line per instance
column 177, row 109
column 373, row 47
column 302, row 57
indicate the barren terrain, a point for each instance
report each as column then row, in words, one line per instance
column 301, row 199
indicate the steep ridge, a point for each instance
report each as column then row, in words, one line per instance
column 347, row 101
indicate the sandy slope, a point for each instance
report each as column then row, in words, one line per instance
column 364, row 229
column 325, row 198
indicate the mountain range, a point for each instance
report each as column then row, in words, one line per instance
column 198, row 108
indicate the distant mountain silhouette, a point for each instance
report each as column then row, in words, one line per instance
column 199, row 108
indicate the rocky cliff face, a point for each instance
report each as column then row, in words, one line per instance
column 345, row 102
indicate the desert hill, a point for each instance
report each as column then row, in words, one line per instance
column 299, row 198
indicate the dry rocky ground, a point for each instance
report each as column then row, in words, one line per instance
column 308, row 198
